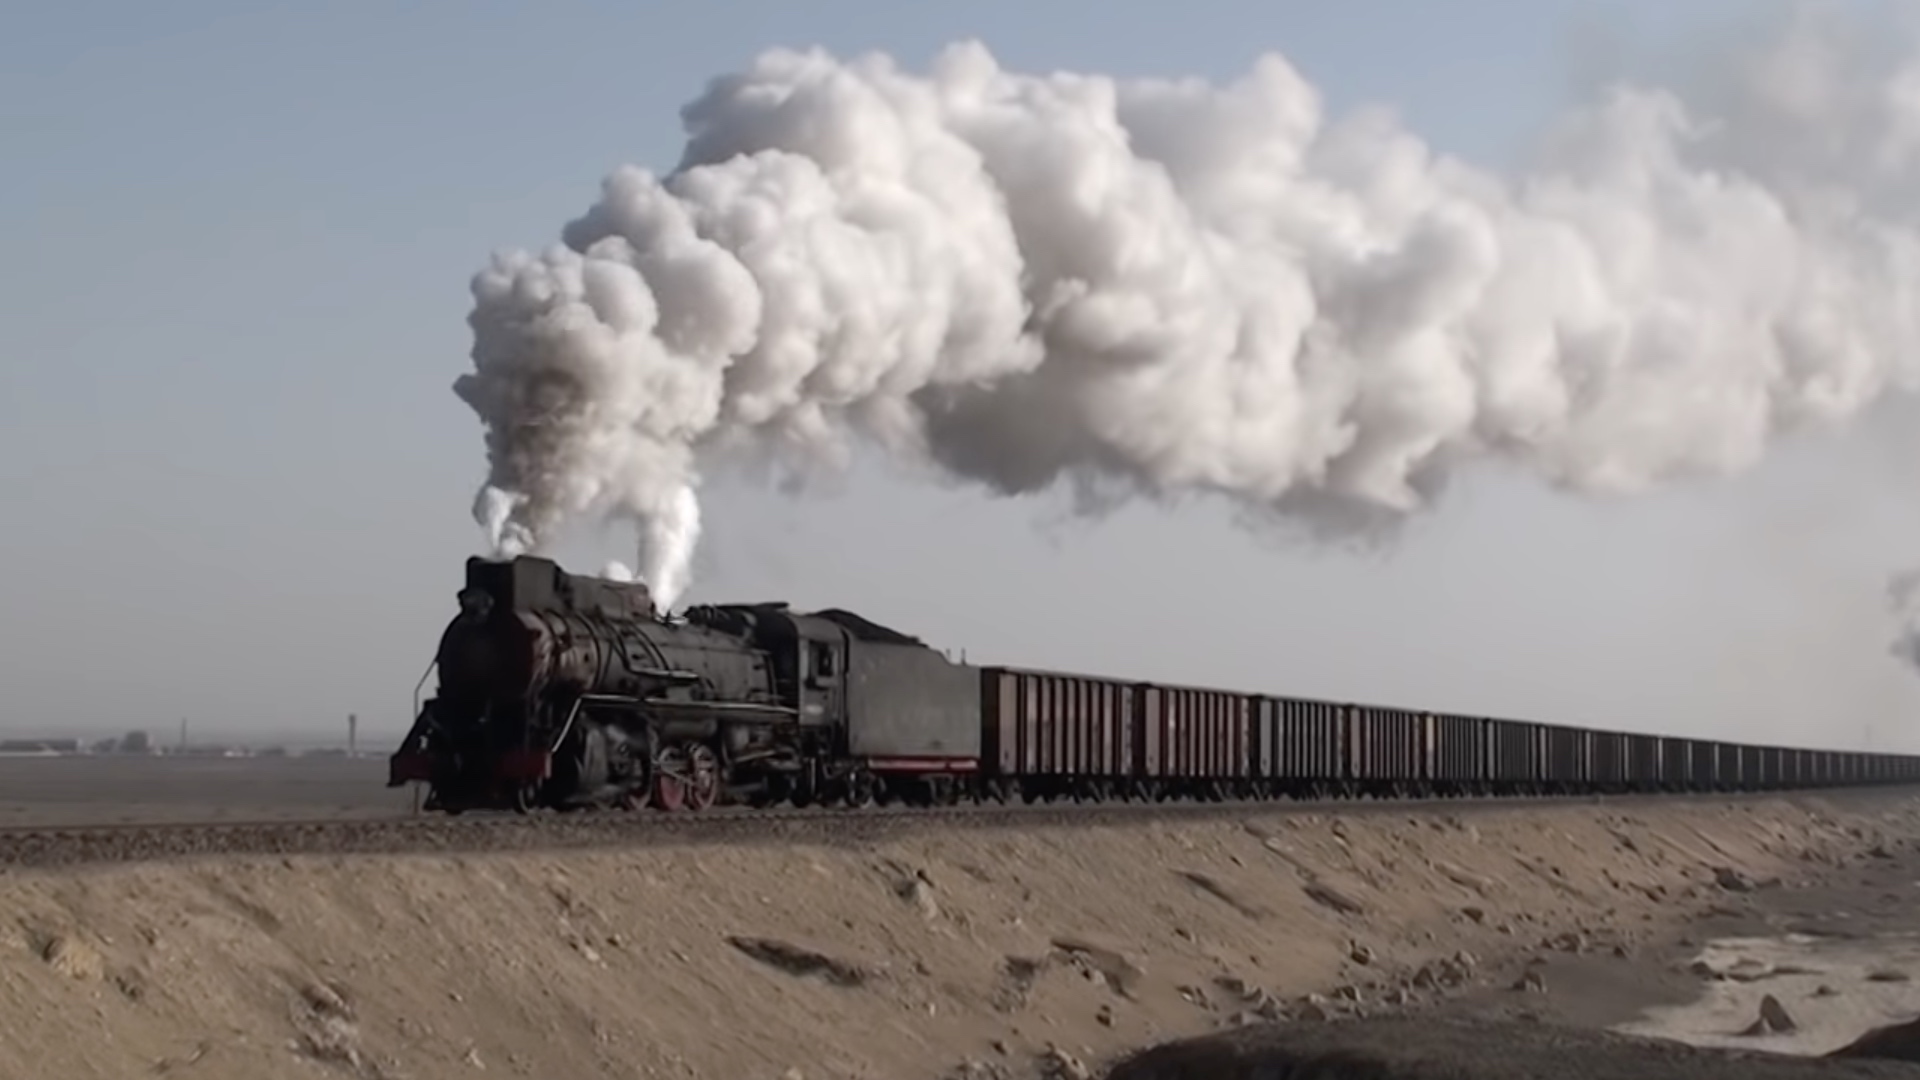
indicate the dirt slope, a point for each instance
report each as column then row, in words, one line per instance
column 900, row 960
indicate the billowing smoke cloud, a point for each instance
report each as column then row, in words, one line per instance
column 1153, row 287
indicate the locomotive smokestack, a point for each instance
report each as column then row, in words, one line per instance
column 1162, row 286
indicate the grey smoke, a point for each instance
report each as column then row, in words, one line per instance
column 1166, row 286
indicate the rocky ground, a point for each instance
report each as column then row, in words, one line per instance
column 1012, row 952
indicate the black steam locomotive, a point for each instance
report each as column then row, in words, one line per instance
column 563, row 691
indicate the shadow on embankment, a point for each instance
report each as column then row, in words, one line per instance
column 1428, row 1049
column 1897, row 1042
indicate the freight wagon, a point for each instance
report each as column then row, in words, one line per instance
column 1053, row 735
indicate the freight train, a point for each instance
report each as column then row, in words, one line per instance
column 564, row 691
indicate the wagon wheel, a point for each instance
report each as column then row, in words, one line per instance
column 703, row 778
column 669, row 779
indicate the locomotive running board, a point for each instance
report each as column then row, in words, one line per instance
column 672, row 705
column 924, row 765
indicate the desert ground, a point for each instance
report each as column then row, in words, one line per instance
column 1016, row 951
column 113, row 789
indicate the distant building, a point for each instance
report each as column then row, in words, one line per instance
column 39, row 747
column 212, row 750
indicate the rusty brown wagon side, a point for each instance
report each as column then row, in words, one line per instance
column 1385, row 748
column 1298, row 745
column 1196, row 741
column 1058, row 734
column 1458, row 752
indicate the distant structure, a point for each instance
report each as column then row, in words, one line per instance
column 38, row 747
column 140, row 743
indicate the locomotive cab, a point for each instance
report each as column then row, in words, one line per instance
column 808, row 656
column 818, row 688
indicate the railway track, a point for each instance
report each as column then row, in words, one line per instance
column 30, row 846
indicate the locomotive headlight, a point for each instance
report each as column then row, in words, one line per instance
column 475, row 603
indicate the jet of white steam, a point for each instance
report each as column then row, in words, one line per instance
column 1158, row 286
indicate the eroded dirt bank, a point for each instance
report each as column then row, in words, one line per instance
column 931, row 955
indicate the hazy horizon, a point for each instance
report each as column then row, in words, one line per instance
column 242, row 483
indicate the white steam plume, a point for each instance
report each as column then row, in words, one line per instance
column 1160, row 286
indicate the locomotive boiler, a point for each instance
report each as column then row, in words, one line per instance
column 566, row 691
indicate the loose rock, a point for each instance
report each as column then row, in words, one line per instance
column 1328, row 896
column 1061, row 1065
column 1732, row 880
column 73, row 958
column 1773, row 1020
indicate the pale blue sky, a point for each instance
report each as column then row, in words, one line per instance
column 237, row 243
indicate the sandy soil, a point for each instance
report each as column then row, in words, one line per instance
column 982, row 953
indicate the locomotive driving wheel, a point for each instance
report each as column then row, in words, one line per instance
column 863, row 790
column 670, row 774
column 639, row 789
column 525, row 798
column 703, row 778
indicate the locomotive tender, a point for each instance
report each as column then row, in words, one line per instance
column 567, row 691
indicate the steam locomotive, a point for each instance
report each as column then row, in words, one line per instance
column 565, row 691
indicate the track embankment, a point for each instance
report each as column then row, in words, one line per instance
column 75, row 841
column 1022, row 950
